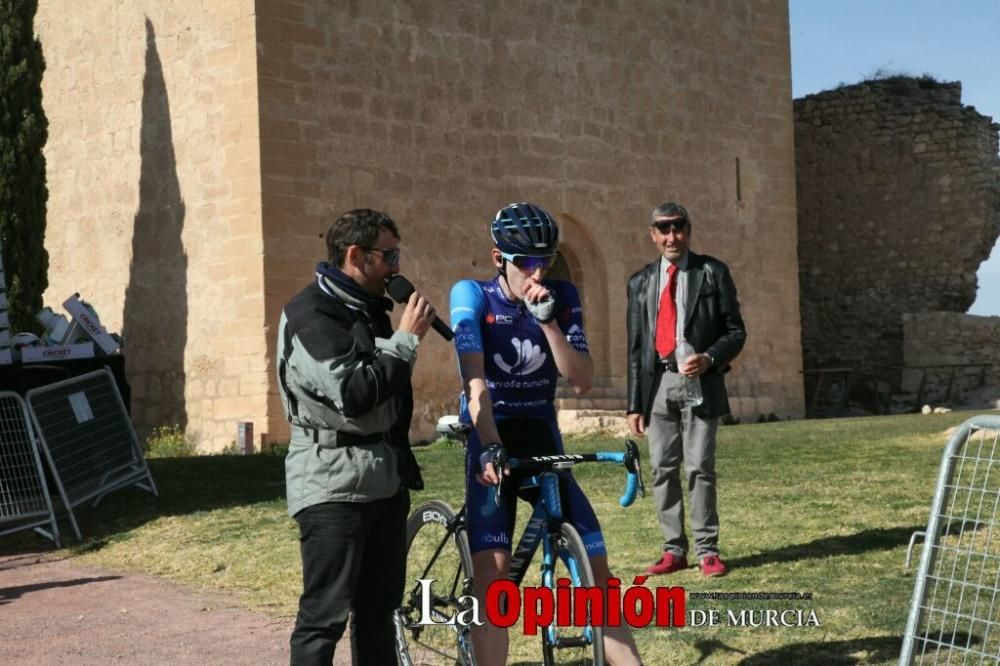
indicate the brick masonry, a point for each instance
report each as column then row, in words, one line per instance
column 272, row 117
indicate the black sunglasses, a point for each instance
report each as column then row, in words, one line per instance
column 389, row 256
column 664, row 226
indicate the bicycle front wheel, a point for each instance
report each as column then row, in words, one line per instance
column 572, row 645
column 429, row 631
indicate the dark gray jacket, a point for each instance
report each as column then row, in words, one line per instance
column 712, row 325
column 344, row 382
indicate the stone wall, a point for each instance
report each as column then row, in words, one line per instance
column 154, row 199
column 898, row 190
column 439, row 113
column 198, row 150
column 946, row 339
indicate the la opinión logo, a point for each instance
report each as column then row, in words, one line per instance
column 638, row 606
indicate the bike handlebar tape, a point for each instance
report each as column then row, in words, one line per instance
column 631, row 489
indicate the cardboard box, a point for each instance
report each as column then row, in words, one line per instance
column 89, row 323
column 57, row 353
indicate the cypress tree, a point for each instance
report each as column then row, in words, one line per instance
column 23, row 194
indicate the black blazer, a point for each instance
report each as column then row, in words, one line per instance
column 712, row 325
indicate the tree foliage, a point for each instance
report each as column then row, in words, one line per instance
column 23, row 193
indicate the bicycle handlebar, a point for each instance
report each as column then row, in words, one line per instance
column 629, row 459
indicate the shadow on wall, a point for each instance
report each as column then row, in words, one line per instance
column 156, row 309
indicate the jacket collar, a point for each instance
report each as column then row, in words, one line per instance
column 695, row 277
column 337, row 284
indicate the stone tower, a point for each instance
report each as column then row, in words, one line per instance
column 198, row 150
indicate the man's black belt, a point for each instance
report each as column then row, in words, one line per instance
column 668, row 364
column 339, row 438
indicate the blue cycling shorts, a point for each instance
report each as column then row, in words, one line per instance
column 490, row 526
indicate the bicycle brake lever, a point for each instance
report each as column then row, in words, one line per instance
column 633, row 464
column 499, row 466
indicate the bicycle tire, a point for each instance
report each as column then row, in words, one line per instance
column 571, row 549
column 451, row 569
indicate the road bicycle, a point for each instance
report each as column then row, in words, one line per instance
column 433, row 623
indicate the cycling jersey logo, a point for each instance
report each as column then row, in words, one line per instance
column 500, row 539
column 492, row 318
column 530, row 357
column 576, row 338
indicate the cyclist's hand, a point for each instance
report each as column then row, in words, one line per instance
column 540, row 301
column 635, row 424
column 534, row 291
column 489, row 476
column 489, row 460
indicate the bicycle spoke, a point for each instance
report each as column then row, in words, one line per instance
column 434, row 555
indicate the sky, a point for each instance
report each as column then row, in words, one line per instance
column 844, row 41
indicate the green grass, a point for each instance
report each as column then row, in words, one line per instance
column 824, row 507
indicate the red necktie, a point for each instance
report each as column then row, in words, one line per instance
column 666, row 317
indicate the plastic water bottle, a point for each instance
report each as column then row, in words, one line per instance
column 691, row 385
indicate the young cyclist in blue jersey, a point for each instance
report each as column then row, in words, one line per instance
column 515, row 336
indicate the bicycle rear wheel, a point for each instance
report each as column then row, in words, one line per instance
column 572, row 645
column 438, row 551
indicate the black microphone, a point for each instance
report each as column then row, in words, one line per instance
column 400, row 289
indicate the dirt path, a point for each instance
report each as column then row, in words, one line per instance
column 58, row 612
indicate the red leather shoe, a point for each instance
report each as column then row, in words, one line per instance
column 668, row 563
column 711, row 565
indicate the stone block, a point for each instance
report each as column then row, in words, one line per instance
column 269, row 104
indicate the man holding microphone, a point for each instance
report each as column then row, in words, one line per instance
column 344, row 382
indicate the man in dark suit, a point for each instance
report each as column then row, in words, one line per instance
column 682, row 296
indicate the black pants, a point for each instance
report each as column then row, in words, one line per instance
column 353, row 559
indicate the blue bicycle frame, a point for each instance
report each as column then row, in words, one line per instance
column 549, row 509
column 548, row 513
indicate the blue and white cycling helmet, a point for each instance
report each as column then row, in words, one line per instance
column 525, row 229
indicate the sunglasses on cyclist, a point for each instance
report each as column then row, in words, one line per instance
column 664, row 226
column 389, row 256
column 529, row 263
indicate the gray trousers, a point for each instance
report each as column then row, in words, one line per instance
column 676, row 437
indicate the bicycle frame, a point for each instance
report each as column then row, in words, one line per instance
column 548, row 511
column 547, row 514
column 544, row 522
column 547, row 517
column 543, row 527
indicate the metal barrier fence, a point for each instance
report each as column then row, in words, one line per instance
column 88, row 439
column 955, row 610
column 24, row 495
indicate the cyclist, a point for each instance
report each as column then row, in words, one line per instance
column 515, row 335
